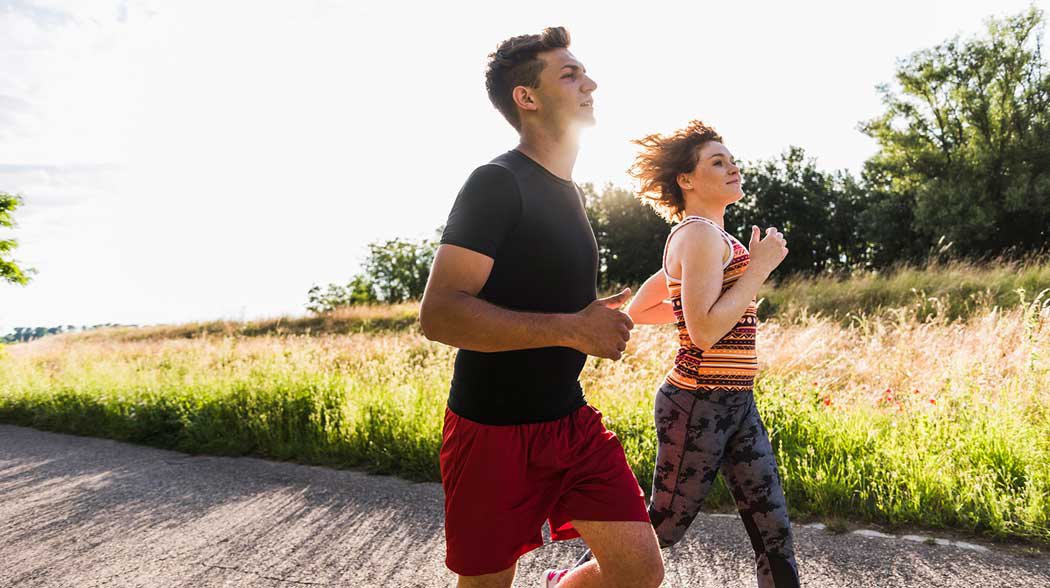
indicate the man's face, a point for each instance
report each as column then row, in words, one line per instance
column 565, row 92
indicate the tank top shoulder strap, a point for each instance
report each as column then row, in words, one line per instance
column 688, row 220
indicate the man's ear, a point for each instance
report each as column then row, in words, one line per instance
column 524, row 98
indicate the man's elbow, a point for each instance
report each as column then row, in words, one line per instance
column 428, row 322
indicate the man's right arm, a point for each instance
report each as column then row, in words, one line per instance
column 451, row 313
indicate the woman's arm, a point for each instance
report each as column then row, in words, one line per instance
column 650, row 305
column 709, row 314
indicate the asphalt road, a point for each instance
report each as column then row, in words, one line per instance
column 83, row 512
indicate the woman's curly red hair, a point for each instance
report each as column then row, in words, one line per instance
column 661, row 161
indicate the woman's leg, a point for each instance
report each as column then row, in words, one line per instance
column 692, row 431
column 750, row 470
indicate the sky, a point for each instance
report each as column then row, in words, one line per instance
column 189, row 160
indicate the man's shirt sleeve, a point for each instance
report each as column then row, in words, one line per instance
column 486, row 211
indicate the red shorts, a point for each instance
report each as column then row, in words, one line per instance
column 503, row 481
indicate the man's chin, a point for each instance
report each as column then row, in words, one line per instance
column 586, row 120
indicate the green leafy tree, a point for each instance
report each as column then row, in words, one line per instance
column 394, row 271
column 361, row 291
column 816, row 210
column 630, row 236
column 331, row 297
column 25, row 334
column 358, row 291
column 886, row 222
column 398, row 268
column 9, row 269
column 965, row 145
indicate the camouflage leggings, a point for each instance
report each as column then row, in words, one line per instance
column 701, row 433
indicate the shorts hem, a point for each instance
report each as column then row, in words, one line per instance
column 572, row 533
column 481, row 571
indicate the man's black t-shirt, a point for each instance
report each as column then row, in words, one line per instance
column 534, row 226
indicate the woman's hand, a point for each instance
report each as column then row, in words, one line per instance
column 767, row 253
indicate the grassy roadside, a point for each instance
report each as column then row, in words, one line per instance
column 898, row 419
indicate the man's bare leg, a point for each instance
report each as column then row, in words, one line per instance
column 626, row 555
column 502, row 579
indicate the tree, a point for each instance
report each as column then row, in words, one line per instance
column 25, row 334
column 9, row 269
column 394, row 271
column 886, row 222
column 358, row 291
column 817, row 211
column 630, row 236
column 398, row 268
column 965, row 141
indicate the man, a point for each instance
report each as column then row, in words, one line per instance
column 513, row 286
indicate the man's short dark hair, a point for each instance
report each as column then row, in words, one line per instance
column 514, row 63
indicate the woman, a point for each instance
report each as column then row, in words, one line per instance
column 706, row 420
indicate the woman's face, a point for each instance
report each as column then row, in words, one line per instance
column 716, row 175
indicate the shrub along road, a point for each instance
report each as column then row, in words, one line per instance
column 83, row 512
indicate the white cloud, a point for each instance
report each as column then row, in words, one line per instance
column 48, row 187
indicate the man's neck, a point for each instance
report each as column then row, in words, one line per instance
column 556, row 152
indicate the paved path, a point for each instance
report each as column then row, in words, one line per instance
column 81, row 512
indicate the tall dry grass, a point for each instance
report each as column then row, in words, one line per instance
column 952, row 289
column 897, row 417
column 342, row 321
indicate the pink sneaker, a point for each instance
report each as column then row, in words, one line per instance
column 552, row 577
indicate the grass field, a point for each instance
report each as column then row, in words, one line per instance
column 894, row 415
column 952, row 289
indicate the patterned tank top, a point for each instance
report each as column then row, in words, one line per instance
column 731, row 363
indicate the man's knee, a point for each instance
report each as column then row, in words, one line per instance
column 501, row 579
column 628, row 554
column 644, row 568
column 651, row 570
